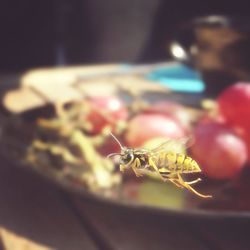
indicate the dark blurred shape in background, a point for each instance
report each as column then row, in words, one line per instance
column 52, row 32
column 59, row 32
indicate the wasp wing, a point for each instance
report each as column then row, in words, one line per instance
column 173, row 145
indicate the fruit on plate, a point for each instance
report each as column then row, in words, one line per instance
column 144, row 127
column 220, row 152
column 234, row 104
column 245, row 135
column 104, row 111
column 172, row 109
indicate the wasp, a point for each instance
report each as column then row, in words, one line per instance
column 168, row 165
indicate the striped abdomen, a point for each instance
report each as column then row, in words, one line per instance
column 176, row 162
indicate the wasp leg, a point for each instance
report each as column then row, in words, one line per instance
column 193, row 182
column 122, row 168
column 172, row 177
column 175, row 182
column 152, row 164
column 187, row 186
column 135, row 166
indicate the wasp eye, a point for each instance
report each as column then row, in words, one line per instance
column 127, row 158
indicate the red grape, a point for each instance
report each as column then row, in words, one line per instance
column 234, row 104
column 219, row 151
column 173, row 109
column 245, row 135
column 109, row 146
column 143, row 127
column 105, row 110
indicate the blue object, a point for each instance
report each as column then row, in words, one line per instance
column 178, row 77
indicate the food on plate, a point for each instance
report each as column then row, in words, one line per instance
column 105, row 111
column 171, row 109
column 234, row 104
column 63, row 146
column 72, row 145
column 220, row 152
column 144, row 127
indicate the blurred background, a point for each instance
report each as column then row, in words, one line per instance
column 62, row 32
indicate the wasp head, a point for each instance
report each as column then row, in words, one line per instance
column 127, row 157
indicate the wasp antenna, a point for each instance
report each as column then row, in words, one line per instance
column 112, row 154
column 117, row 140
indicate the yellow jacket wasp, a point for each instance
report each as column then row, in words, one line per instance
column 167, row 164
